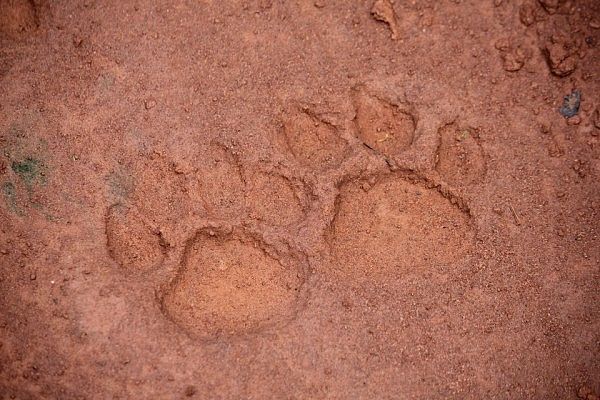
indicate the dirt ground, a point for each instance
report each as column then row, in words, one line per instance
column 300, row 199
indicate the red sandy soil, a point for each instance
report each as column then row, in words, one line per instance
column 303, row 199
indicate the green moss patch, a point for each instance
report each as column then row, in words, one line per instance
column 29, row 170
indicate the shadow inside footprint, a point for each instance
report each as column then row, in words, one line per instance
column 383, row 126
column 274, row 199
column 130, row 241
column 218, row 187
column 229, row 285
column 460, row 159
column 315, row 143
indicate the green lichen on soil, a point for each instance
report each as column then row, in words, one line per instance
column 9, row 192
column 30, row 171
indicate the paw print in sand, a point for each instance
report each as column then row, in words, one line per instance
column 231, row 284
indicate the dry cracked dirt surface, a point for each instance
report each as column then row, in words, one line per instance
column 303, row 199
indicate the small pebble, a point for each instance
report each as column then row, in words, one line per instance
column 596, row 118
column 190, row 391
column 571, row 102
column 545, row 128
column 148, row 104
column 576, row 120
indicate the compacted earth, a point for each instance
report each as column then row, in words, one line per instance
column 300, row 199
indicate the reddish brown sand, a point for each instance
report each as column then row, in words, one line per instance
column 303, row 199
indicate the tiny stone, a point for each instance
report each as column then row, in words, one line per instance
column 561, row 61
column 527, row 14
column 584, row 392
column 502, row 44
column 590, row 41
column 383, row 10
column 545, row 128
column 596, row 118
column 512, row 61
column 32, row 276
column 190, row 391
column 551, row 6
column 571, row 102
column 149, row 104
column 576, row 120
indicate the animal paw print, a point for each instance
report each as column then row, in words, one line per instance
column 216, row 187
column 275, row 199
column 460, row 160
column 312, row 140
column 383, row 126
column 231, row 281
column 131, row 242
column 231, row 284
column 388, row 226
